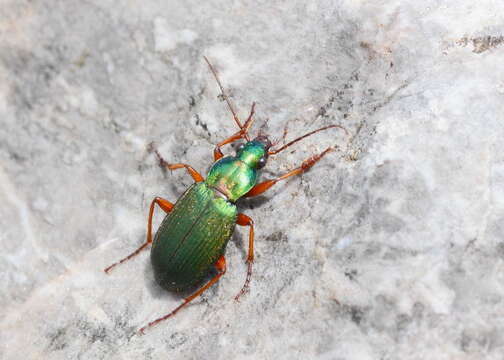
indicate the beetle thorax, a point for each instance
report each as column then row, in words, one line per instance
column 231, row 177
column 234, row 176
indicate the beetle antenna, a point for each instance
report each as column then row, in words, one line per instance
column 264, row 124
column 261, row 131
column 276, row 151
column 282, row 139
column 224, row 94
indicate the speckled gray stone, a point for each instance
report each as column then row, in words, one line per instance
column 391, row 248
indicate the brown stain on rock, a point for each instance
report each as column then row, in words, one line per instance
column 482, row 43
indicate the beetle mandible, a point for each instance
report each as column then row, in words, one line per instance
column 193, row 236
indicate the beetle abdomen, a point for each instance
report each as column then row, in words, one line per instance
column 192, row 237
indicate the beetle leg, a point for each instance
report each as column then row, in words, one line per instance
column 308, row 163
column 244, row 220
column 194, row 174
column 220, row 265
column 237, row 136
column 163, row 204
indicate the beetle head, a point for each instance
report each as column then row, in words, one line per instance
column 255, row 153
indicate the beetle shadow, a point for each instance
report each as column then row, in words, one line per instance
column 239, row 243
column 155, row 290
column 158, row 292
column 240, row 240
column 252, row 203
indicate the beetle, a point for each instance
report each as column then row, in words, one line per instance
column 193, row 236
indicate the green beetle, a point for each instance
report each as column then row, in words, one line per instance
column 193, row 236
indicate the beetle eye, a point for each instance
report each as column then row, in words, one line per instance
column 240, row 147
column 262, row 162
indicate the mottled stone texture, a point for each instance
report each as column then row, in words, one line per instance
column 392, row 248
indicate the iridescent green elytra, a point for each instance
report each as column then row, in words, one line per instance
column 194, row 235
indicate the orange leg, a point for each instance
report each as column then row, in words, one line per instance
column 217, row 151
column 308, row 163
column 220, row 265
column 163, row 204
column 244, row 220
column 237, row 136
column 194, row 174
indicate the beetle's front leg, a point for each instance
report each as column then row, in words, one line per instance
column 194, row 174
column 308, row 163
column 237, row 136
column 244, row 220
column 163, row 204
column 220, row 265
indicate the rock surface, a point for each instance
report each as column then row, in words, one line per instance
column 391, row 248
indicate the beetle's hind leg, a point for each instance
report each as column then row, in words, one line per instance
column 163, row 204
column 244, row 220
column 220, row 265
